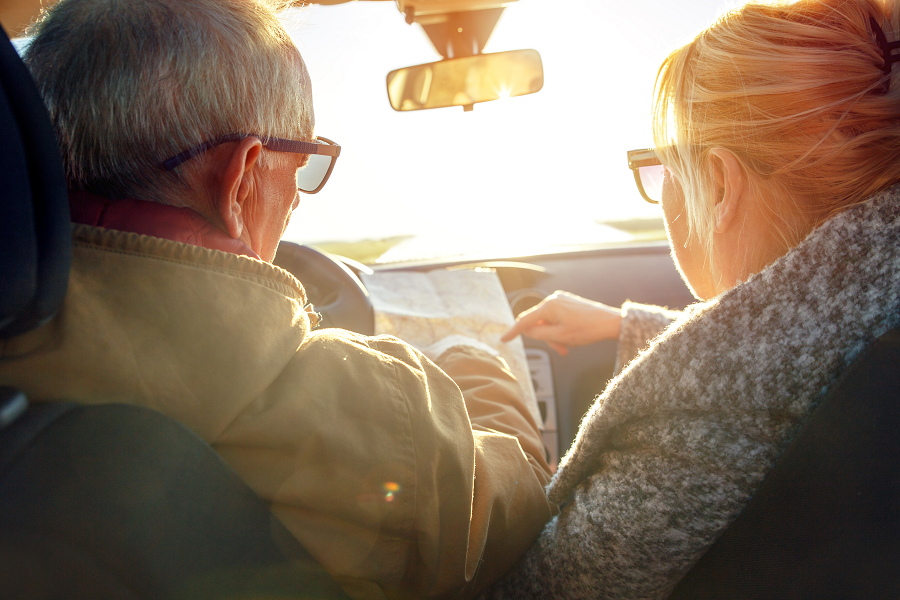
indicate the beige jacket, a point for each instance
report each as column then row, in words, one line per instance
column 395, row 481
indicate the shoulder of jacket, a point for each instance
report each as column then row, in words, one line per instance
column 159, row 249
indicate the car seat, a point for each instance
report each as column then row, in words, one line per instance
column 108, row 501
column 825, row 522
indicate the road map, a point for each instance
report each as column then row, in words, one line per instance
column 425, row 308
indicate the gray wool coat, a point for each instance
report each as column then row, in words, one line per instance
column 675, row 446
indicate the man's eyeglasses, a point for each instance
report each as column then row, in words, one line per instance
column 648, row 173
column 311, row 178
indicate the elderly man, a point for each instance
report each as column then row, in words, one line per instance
column 183, row 125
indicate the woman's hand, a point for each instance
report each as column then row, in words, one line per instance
column 564, row 320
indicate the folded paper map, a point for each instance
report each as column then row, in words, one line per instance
column 424, row 308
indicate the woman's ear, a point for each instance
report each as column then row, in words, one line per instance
column 234, row 184
column 731, row 187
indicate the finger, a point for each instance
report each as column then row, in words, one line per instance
column 509, row 335
column 547, row 332
column 513, row 332
column 520, row 328
column 525, row 321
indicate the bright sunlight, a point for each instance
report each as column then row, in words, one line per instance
column 530, row 172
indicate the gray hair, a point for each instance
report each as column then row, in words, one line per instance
column 130, row 83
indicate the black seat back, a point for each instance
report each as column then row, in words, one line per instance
column 121, row 502
column 825, row 523
column 35, row 237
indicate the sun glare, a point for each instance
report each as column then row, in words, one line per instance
column 502, row 168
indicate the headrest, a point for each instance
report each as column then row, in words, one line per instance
column 35, row 234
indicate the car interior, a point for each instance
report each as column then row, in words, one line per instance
column 111, row 501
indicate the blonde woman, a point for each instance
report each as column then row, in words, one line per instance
column 778, row 134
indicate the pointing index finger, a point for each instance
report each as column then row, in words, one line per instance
column 524, row 322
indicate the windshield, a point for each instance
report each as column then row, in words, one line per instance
column 512, row 177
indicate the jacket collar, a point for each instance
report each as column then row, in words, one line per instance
column 154, row 219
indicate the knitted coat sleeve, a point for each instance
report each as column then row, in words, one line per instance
column 659, row 468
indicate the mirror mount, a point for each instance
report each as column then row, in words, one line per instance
column 459, row 31
column 460, row 34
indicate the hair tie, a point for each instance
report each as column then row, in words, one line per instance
column 886, row 48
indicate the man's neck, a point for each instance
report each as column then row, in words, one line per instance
column 178, row 224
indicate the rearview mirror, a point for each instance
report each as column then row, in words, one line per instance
column 466, row 81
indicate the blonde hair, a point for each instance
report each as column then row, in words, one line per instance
column 130, row 83
column 794, row 90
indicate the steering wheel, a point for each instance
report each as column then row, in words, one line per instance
column 335, row 290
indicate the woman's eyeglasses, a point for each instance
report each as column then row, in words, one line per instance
column 648, row 173
column 323, row 154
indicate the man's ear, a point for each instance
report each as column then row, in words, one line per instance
column 234, row 183
column 731, row 186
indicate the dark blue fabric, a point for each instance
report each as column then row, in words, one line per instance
column 35, row 234
column 114, row 501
